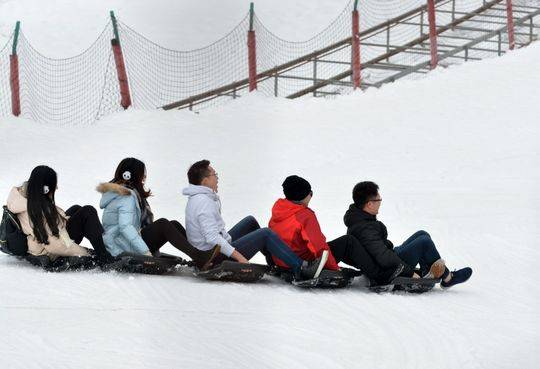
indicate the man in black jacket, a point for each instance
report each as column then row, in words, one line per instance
column 361, row 221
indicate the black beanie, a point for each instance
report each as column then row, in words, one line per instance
column 296, row 188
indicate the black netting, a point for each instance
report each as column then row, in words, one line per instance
column 68, row 91
column 160, row 76
column 394, row 44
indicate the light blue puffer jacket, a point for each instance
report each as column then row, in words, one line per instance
column 121, row 220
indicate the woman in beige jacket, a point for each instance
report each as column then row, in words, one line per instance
column 49, row 230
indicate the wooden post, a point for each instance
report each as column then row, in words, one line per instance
column 356, row 63
column 14, row 74
column 432, row 33
column 125, row 96
column 510, row 24
column 252, row 52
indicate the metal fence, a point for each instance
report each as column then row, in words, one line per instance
column 397, row 39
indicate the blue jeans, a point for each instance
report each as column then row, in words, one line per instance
column 248, row 238
column 418, row 249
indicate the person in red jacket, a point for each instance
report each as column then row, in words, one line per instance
column 297, row 225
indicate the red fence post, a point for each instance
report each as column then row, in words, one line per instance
column 120, row 66
column 432, row 33
column 14, row 74
column 122, row 74
column 510, row 24
column 252, row 53
column 356, row 64
column 14, row 84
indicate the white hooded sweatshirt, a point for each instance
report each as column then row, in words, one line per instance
column 205, row 227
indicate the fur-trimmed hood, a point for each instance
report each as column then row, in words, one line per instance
column 111, row 191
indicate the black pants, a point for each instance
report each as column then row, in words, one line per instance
column 349, row 250
column 84, row 222
column 156, row 234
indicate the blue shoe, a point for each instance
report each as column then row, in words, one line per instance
column 458, row 276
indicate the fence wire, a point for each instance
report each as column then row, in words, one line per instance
column 67, row 91
column 159, row 76
column 5, row 92
column 84, row 88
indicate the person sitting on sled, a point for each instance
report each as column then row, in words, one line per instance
column 297, row 225
column 206, row 228
column 361, row 221
column 51, row 231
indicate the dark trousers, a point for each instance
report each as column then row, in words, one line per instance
column 350, row 251
column 248, row 238
column 84, row 222
column 156, row 234
column 418, row 249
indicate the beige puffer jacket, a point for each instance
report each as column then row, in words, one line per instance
column 58, row 246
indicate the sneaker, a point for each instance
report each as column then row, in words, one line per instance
column 312, row 269
column 436, row 270
column 203, row 260
column 458, row 276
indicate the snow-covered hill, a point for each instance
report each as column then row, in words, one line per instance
column 455, row 154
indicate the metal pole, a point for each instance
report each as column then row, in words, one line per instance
column 432, row 33
column 510, row 26
column 499, row 50
column 388, row 41
column 252, row 53
column 355, row 48
column 531, row 24
column 422, row 25
column 115, row 26
column 276, row 85
column 466, row 54
column 314, row 75
column 16, row 38
column 453, row 12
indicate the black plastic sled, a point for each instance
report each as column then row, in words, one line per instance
column 232, row 271
column 133, row 263
column 61, row 263
column 125, row 263
column 327, row 279
column 412, row 285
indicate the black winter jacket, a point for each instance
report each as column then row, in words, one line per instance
column 373, row 235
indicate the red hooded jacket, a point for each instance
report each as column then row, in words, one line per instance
column 298, row 227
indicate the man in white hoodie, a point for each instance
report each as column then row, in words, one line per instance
column 205, row 227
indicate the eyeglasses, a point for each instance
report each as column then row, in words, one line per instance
column 213, row 174
column 376, row 200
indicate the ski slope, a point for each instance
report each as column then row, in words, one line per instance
column 455, row 154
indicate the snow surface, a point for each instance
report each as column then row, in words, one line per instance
column 455, row 154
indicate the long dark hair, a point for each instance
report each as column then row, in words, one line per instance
column 41, row 207
column 134, row 179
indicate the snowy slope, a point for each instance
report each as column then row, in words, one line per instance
column 455, row 154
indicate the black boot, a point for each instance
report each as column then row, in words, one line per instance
column 312, row 269
column 203, row 259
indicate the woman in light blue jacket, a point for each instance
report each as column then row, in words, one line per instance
column 129, row 223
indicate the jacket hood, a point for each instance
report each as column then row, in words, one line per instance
column 110, row 192
column 193, row 190
column 284, row 209
column 355, row 215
